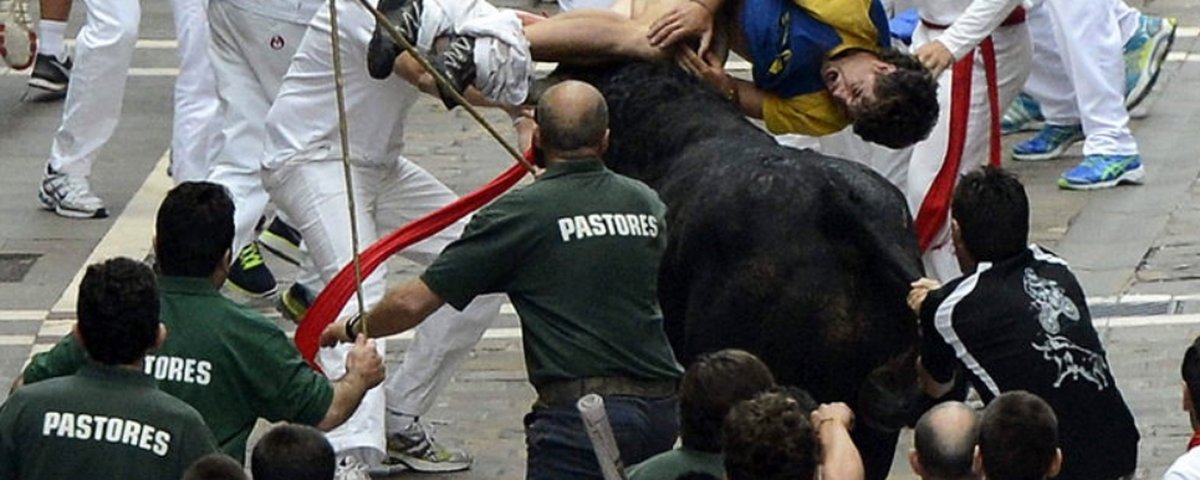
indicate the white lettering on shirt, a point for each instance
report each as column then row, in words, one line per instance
column 107, row 429
column 579, row 227
column 177, row 369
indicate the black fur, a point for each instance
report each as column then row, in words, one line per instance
column 800, row 258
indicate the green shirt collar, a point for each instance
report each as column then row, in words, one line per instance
column 192, row 285
column 567, row 167
column 117, row 374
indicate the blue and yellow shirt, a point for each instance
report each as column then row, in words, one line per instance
column 788, row 42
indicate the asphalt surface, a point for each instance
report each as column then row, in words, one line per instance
column 1134, row 248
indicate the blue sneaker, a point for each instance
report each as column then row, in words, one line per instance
column 1049, row 143
column 1103, row 171
column 1144, row 55
column 1023, row 115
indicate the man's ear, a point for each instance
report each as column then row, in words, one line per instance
column 537, row 135
column 160, row 338
column 604, row 141
column 1055, row 464
column 915, row 462
column 1189, row 404
column 78, row 336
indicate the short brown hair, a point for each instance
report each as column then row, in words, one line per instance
column 712, row 385
column 770, row 438
column 1018, row 437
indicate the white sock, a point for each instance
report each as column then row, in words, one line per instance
column 50, row 38
column 397, row 421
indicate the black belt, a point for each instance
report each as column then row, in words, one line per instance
column 567, row 392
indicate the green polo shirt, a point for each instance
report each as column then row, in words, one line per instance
column 577, row 252
column 225, row 360
column 100, row 423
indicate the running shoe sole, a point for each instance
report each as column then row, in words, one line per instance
column 1133, row 177
column 425, row 466
column 1142, row 89
column 43, row 84
column 49, row 204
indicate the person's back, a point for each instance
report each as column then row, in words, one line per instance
column 108, row 420
column 1020, row 321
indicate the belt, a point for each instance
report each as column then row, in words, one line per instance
column 1017, row 17
column 569, row 391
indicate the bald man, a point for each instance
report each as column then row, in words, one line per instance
column 944, row 443
column 577, row 252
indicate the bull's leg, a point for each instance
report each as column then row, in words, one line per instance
column 877, row 448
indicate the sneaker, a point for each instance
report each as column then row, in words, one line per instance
column 282, row 240
column 456, row 62
column 415, row 448
column 18, row 44
column 50, row 74
column 1049, row 143
column 382, row 51
column 350, row 467
column 249, row 274
column 1144, row 55
column 1103, row 171
column 293, row 303
column 1023, row 115
column 69, row 196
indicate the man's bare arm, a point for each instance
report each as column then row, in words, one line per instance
column 403, row 308
column 840, row 459
column 411, row 70
column 364, row 370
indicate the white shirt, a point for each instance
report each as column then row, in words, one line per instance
column 1186, row 467
column 302, row 124
column 970, row 21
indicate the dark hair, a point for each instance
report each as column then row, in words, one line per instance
column 905, row 107
column 946, row 452
column 293, row 452
column 1018, row 437
column 992, row 212
column 194, row 229
column 562, row 133
column 1190, row 369
column 770, row 438
column 215, row 466
column 118, row 311
column 712, row 385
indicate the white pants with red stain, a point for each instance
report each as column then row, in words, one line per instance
column 313, row 195
column 103, row 51
column 924, row 186
column 1078, row 72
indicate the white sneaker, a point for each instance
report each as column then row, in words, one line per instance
column 69, row 196
column 350, row 467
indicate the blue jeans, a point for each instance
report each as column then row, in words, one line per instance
column 559, row 448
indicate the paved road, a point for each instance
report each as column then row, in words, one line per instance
column 1133, row 245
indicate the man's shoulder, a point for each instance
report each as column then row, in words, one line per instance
column 1186, row 467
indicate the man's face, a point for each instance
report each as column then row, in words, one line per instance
column 851, row 79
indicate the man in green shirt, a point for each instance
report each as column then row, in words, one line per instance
column 225, row 360
column 578, row 253
column 108, row 420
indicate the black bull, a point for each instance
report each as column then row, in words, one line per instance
column 800, row 258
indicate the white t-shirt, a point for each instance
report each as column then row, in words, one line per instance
column 970, row 21
column 1186, row 467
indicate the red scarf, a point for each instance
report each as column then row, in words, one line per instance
column 1195, row 441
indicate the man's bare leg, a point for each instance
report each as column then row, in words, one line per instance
column 52, row 27
column 597, row 36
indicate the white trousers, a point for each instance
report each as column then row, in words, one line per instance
column 1078, row 72
column 103, row 51
column 250, row 55
column 313, row 195
column 196, row 124
column 932, row 174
